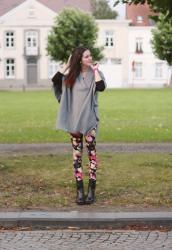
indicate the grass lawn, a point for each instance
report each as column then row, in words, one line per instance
column 127, row 115
column 30, row 182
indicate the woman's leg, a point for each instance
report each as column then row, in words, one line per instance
column 77, row 144
column 90, row 139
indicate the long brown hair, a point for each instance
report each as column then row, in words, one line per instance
column 74, row 66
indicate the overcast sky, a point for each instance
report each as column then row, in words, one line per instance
column 120, row 8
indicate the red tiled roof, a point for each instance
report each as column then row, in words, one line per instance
column 143, row 10
column 7, row 5
column 55, row 5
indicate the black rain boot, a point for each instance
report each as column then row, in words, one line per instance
column 80, row 199
column 91, row 192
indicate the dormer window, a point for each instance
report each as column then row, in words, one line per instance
column 139, row 19
column 31, row 12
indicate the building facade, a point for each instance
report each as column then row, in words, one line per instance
column 144, row 69
column 24, row 28
column 113, row 35
column 23, row 39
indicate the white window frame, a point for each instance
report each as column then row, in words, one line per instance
column 138, row 70
column 158, row 70
column 10, row 38
column 33, row 36
column 109, row 38
column 11, row 68
column 52, row 68
column 139, row 19
column 31, row 12
column 139, row 45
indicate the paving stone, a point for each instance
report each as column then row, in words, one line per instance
column 69, row 240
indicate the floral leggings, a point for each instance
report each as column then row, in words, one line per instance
column 77, row 144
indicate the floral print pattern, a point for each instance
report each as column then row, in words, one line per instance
column 77, row 144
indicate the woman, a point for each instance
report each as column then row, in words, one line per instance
column 76, row 86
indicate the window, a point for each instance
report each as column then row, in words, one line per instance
column 116, row 60
column 139, row 19
column 138, row 70
column 9, row 39
column 104, row 61
column 52, row 68
column 109, row 39
column 31, row 12
column 158, row 70
column 139, row 45
column 10, row 68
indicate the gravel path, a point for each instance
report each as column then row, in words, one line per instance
column 55, row 148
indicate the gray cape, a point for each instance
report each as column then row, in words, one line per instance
column 79, row 105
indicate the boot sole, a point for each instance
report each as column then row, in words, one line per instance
column 80, row 203
column 89, row 202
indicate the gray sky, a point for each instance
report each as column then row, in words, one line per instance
column 120, row 8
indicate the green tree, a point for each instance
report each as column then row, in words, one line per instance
column 102, row 10
column 73, row 28
column 163, row 6
column 162, row 40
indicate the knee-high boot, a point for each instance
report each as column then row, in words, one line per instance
column 80, row 199
column 91, row 192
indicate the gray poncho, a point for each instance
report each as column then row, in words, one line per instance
column 79, row 105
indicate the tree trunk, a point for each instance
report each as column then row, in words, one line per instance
column 170, row 81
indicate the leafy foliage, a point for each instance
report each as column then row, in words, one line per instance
column 162, row 39
column 73, row 28
column 101, row 10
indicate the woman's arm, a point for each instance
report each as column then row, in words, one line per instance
column 100, row 84
column 58, row 78
column 99, row 78
column 57, row 85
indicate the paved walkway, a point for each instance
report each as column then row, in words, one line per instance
column 83, row 240
column 54, row 148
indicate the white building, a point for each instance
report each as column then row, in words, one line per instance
column 24, row 61
column 145, row 70
column 23, row 38
column 113, row 35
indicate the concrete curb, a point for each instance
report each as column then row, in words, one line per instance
column 85, row 220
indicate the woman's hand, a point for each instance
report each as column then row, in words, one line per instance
column 65, row 66
column 68, row 61
column 94, row 66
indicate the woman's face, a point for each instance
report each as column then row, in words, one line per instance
column 86, row 58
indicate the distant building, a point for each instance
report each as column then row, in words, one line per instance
column 113, row 35
column 145, row 70
column 24, row 28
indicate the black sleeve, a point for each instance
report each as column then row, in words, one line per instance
column 57, row 85
column 100, row 85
